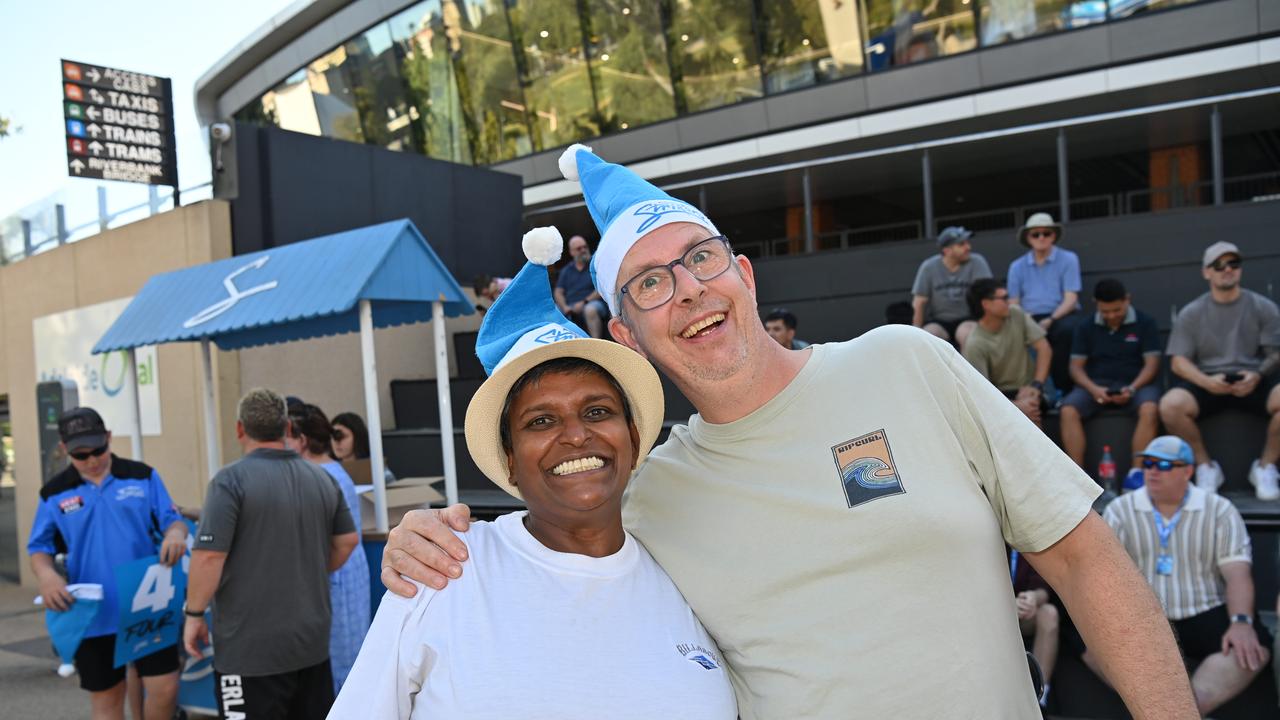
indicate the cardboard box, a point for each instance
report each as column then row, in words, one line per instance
column 403, row 495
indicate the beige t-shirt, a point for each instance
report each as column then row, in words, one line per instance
column 845, row 543
column 1002, row 357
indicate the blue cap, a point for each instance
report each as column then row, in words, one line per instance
column 1171, row 448
column 953, row 234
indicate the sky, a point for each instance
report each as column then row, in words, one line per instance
column 178, row 39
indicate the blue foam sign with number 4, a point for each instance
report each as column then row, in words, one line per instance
column 151, row 596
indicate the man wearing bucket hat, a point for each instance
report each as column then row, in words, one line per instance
column 1045, row 282
column 561, row 613
column 942, row 286
column 1195, row 552
column 819, row 496
column 1225, row 350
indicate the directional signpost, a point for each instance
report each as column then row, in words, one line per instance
column 119, row 125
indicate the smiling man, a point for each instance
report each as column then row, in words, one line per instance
column 821, row 499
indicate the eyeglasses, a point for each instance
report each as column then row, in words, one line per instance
column 655, row 286
column 1162, row 465
column 1223, row 265
column 82, row 456
column 1041, row 233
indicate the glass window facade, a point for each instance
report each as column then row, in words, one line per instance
column 482, row 81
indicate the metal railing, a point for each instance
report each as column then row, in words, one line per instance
column 43, row 225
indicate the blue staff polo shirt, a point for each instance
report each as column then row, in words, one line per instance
column 1039, row 288
column 102, row 526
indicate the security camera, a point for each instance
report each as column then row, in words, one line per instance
column 220, row 132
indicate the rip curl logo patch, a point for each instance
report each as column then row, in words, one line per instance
column 653, row 211
column 866, row 468
column 130, row 491
column 699, row 656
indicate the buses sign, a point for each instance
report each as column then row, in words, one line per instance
column 119, row 125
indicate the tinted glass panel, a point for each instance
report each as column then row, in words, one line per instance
column 1005, row 20
column 426, row 67
column 558, row 86
column 1125, row 8
column 373, row 75
column 290, row 105
column 335, row 100
column 907, row 31
column 809, row 41
column 628, row 54
column 490, row 101
column 714, row 56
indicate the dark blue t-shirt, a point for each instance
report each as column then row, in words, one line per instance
column 575, row 283
column 1115, row 356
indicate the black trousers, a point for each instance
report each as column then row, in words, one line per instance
column 1060, row 334
column 297, row 695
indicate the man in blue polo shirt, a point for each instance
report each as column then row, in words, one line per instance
column 575, row 293
column 104, row 511
column 1114, row 362
column 1045, row 282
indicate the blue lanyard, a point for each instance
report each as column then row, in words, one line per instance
column 1165, row 530
column 1013, row 566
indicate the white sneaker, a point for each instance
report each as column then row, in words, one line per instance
column 1209, row 476
column 1265, row 480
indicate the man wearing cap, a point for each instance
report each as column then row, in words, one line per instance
column 1194, row 550
column 938, row 295
column 1225, row 350
column 575, row 295
column 820, row 497
column 1046, row 283
column 106, row 511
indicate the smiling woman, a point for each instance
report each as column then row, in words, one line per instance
column 560, row 613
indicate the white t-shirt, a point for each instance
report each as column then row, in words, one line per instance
column 845, row 543
column 531, row 633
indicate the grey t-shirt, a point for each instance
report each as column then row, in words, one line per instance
column 1225, row 337
column 945, row 289
column 274, row 514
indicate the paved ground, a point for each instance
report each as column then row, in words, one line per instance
column 29, row 682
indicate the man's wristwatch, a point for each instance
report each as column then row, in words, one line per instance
column 1242, row 618
column 192, row 613
column 1039, row 386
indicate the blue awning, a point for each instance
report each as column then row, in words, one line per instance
column 303, row 290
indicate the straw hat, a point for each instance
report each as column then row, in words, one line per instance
column 524, row 329
column 1039, row 220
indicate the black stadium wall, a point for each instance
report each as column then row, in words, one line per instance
column 285, row 187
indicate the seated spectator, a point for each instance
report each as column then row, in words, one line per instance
column 898, row 313
column 488, row 289
column 1195, row 552
column 575, row 294
column 939, row 300
column 1045, row 282
column 1037, row 616
column 1114, row 362
column 1225, row 350
column 781, row 325
column 998, row 346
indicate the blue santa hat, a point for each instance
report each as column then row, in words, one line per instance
column 525, row 316
column 625, row 208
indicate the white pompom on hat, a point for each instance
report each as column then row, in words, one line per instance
column 543, row 245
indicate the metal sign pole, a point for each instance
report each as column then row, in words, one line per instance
column 374, row 420
column 446, row 407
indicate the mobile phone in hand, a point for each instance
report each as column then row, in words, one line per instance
column 1115, row 391
column 1233, row 377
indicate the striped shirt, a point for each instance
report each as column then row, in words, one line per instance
column 1209, row 534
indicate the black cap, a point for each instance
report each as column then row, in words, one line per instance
column 82, row 427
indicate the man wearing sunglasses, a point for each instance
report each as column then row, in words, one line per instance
column 1194, row 549
column 104, row 511
column 1045, row 282
column 821, row 498
column 1225, row 350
